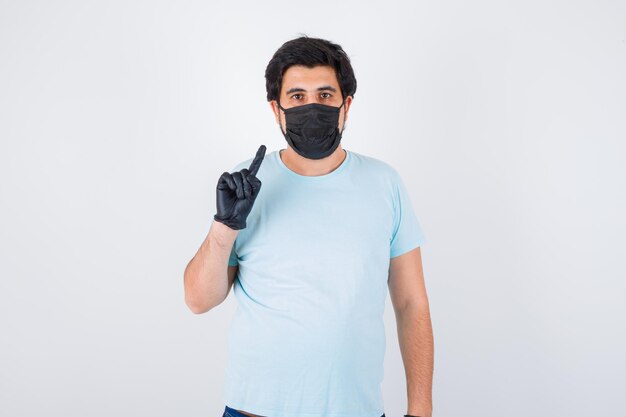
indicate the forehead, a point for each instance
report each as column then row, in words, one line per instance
column 309, row 78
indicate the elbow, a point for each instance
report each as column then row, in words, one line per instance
column 196, row 306
column 197, row 303
column 198, row 309
column 200, row 297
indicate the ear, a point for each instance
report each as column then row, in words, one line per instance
column 276, row 110
column 346, row 105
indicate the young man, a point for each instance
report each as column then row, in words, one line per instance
column 313, row 236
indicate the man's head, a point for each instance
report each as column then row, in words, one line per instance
column 309, row 70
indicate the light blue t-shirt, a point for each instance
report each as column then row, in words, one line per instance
column 308, row 338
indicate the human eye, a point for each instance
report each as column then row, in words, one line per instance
column 295, row 96
column 329, row 95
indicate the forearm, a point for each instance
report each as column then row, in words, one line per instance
column 415, row 337
column 206, row 276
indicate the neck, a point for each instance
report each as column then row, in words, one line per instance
column 312, row 167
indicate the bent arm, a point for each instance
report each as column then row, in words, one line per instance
column 208, row 277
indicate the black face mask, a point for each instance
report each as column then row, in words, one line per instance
column 312, row 129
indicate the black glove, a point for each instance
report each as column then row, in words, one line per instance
column 236, row 193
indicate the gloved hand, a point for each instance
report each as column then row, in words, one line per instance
column 236, row 193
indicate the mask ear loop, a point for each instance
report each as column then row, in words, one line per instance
column 281, row 108
column 344, row 115
column 278, row 102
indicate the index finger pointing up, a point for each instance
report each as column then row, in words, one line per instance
column 256, row 163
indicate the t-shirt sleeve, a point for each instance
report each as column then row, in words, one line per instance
column 232, row 260
column 407, row 232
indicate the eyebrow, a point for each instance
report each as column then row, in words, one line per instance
column 324, row 88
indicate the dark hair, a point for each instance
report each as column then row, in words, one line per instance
column 309, row 52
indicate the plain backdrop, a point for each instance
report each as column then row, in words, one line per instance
column 507, row 121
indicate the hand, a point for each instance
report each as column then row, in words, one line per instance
column 236, row 193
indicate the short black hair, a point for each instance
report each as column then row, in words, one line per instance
column 309, row 52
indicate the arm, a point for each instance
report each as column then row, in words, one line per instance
column 415, row 335
column 208, row 277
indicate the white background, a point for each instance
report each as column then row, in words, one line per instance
column 506, row 120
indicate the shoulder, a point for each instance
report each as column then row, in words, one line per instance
column 376, row 166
